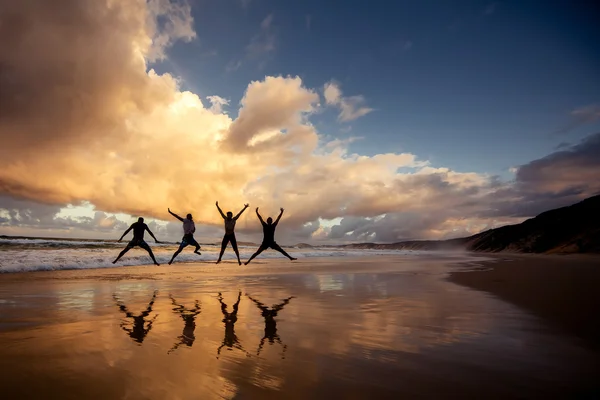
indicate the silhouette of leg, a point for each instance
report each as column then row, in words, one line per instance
column 235, row 248
column 122, row 253
column 181, row 247
column 145, row 246
column 193, row 242
column 223, row 247
column 275, row 246
column 260, row 250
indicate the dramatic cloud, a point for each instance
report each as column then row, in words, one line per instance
column 83, row 118
column 580, row 117
column 351, row 107
column 217, row 104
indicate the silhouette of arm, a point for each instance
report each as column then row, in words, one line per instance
column 237, row 303
column 240, row 213
column 175, row 215
column 220, row 211
column 152, row 234
column 223, row 305
column 259, row 217
column 279, row 307
column 260, row 305
column 126, row 232
column 150, row 304
column 279, row 217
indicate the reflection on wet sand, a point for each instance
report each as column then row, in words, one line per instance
column 355, row 335
column 270, row 323
column 188, row 315
column 230, row 340
column 140, row 326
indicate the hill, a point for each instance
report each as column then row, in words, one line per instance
column 571, row 229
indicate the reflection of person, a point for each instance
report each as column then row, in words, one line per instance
column 188, row 235
column 139, row 228
column 189, row 318
column 229, row 236
column 139, row 330
column 269, row 237
column 270, row 323
column 230, row 340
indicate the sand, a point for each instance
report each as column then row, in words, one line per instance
column 374, row 327
column 564, row 290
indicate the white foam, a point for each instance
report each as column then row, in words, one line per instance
column 27, row 260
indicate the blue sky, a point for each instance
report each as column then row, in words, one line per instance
column 498, row 101
column 472, row 85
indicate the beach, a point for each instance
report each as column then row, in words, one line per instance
column 444, row 325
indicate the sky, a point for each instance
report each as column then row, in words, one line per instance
column 378, row 121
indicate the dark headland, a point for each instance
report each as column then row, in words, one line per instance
column 566, row 230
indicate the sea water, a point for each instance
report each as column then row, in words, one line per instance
column 40, row 254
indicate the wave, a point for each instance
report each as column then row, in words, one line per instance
column 23, row 260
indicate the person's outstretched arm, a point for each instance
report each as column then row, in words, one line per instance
column 175, row 215
column 279, row 217
column 259, row 217
column 126, row 232
column 152, row 234
column 240, row 213
column 220, row 211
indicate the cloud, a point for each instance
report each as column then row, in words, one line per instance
column 93, row 122
column 351, row 108
column 264, row 42
column 581, row 116
column 217, row 104
column 168, row 21
column 308, row 21
column 233, row 66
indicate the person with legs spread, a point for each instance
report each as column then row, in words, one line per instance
column 269, row 237
column 270, row 323
column 230, row 221
column 139, row 228
column 188, row 235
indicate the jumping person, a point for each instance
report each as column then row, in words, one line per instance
column 139, row 228
column 230, row 221
column 270, row 323
column 188, row 234
column 269, row 237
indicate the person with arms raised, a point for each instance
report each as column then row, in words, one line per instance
column 229, row 236
column 139, row 228
column 188, row 234
column 269, row 237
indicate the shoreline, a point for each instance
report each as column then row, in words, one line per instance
column 560, row 289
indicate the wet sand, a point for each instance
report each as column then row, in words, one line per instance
column 381, row 327
column 564, row 290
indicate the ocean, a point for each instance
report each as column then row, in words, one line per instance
column 44, row 254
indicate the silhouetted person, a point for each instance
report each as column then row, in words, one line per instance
column 230, row 221
column 139, row 228
column 189, row 318
column 139, row 330
column 230, row 340
column 269, row 237
column 188, row 235
column 270, row 323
